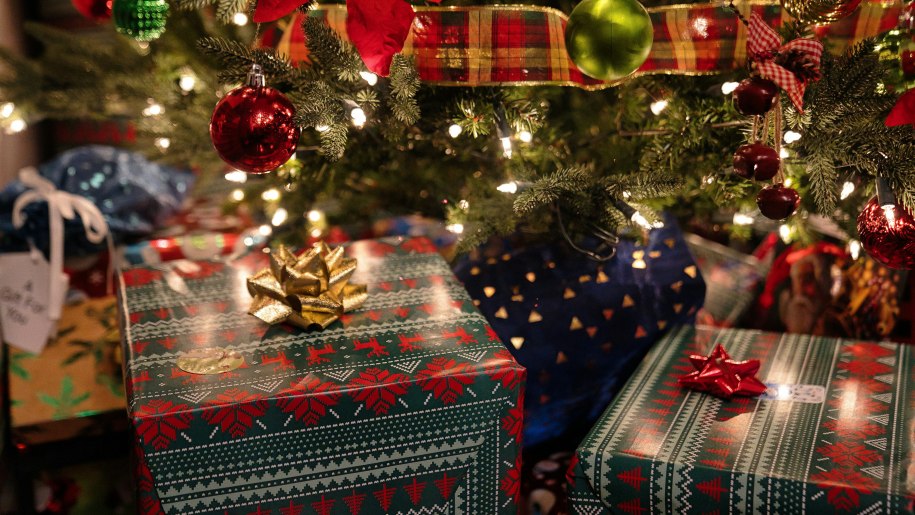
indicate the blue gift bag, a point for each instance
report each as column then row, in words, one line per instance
column 581, row 327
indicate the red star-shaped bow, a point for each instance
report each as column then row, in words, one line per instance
column 764, row 46
column 723, row 377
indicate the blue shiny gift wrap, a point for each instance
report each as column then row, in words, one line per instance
column 581, row 327
column 135, row 195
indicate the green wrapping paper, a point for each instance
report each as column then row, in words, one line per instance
column 832, row 434
column 409, row 404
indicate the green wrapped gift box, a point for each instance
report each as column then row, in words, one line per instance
column 409, row 404
column 833, row 433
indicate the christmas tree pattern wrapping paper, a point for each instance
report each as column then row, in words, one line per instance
column 410, row 404
column 832, row 434
column 74, row 387
column 581, row 327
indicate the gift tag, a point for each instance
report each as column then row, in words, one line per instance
column 25, row 304
column 807, row 393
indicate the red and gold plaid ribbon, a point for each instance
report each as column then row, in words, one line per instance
column 525, row 45
column 764, row 44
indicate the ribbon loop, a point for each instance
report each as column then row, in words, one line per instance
column 764, row 47
column 62, row 206
column 308, row 291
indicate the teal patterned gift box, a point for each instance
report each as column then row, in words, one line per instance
column 410, row 404
column 832, row 434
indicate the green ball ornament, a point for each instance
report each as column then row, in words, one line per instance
column 143, row 20
column 609, row 39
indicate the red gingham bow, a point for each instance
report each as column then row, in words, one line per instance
column 764, row 44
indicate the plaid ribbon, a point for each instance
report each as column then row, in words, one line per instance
column 764, row 44
column 525, row 45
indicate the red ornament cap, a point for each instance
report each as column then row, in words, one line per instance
column 723, row 377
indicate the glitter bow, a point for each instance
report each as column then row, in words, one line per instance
column 723, row 377
column 307, row 291
column 790, row 65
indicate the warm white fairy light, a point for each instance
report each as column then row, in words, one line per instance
column 6, row 110
column 240, row 19
column 791, row 137
column 455, row 228
column 784, row 232
column 316, row 232
column 658, row 106
column 742, row 219
column 463, row 204
column 525, row 136
column 728, row 87
column 369, row 77
column 358, row 116
column 788, row 182
column 642, row 222
column 279, row 217
column 854, row 248
column 627, row 195
column 847, row 189
column 455, row 130
column 271, row 195
column 314, row 216
column 506, row 147
column 265, row 230
column 890, row 213
column 187, row 82
column 17, row 125
column 236, row 176
column 508, row 187
column 238, row 195
column 783, row 153
column 153, row 109
column 163, row 143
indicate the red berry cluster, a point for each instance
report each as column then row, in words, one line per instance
column 757, row 161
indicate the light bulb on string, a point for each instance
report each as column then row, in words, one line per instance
column 455, row 130
column 525, row 136
column 6, row 110
column 847, row 189
column 503, row 131
column 887, row 201
column 369, row 77
column 728, row 87
column 508, row 187
column 658, row 106
column 16, row 126
column 240, row 19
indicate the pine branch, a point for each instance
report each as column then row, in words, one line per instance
column 563, row 182
column 330, row 51
column 333, row 141
column 229, row 8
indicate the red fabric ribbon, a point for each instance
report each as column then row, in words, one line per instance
column 903, row 112
column 269, row 10
column 764, row 45
column 723, row 377
column 378, row 30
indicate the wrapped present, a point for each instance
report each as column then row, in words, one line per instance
column 831, row 433
column 732, row 281
column 134, row 195
column 578, row 326
column 74, row 387
column 410, row 403
column 195, row 246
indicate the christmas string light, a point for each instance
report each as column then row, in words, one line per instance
column 504, row 131
column 887, row 200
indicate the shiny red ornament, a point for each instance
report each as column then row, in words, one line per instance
column 723, row 377
column 888, row 239
column 253, row 127
column 98, row 10
column 776, row 202
column 755, row 96
column 756, row 161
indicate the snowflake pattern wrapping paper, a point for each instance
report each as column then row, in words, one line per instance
column 831, row 435
column 410, row 404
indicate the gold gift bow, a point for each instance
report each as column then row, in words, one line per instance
column 306, row 291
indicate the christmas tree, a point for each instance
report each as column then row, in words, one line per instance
column 493, row 158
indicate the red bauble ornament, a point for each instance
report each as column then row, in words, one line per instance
column 777, row 202
column 98, row 10
column 755, row 96
column 888, row 239
column 907, row 59
column 253, row 127
column 756, row 161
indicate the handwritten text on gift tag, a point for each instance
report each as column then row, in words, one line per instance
column 24, row 292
